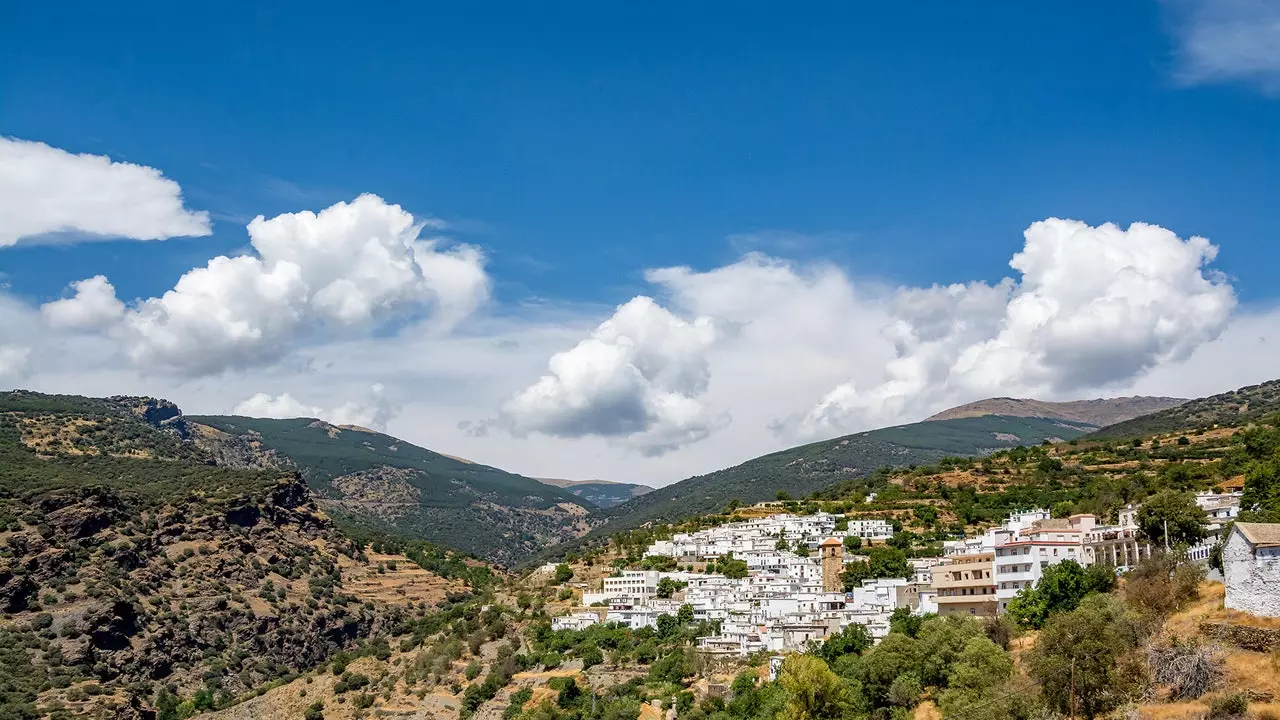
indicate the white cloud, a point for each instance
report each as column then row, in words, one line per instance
column 351, row 267
column 1095, row 308
column 94, row 305
column 13, row 364
column 1225, row 40
column 373, row 412
column 638, row 376
column 45, row 190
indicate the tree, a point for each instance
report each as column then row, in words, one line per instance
column 733, row 569
column 1077, row 657
column 1060, row 589
column 853, row 640
column 783, row 496
column 668, row 587
column 564, row 573
column 1261, row 501
column 1176, row 511
column 903, row 621
column 813, row 691
column 685, row 614
column 314, row 711
column 668, row 626
column 882, row 562
column 852, row 542
column 782, row 545
column 926, row 514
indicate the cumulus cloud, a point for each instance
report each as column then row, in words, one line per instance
column 372, row 412
column 13, row 364
column 1095, row 307
column 638, row 377
column 349, row 267
column 45, row 190
column 93, row 305
column 1228, row 40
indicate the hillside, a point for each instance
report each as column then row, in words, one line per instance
column 135, row 573
column 601, row 493
column 1230, row 408
column 1099, row 412
column 802, row 470
column 405, row 488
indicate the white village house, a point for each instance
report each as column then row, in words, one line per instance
column 1251, row 568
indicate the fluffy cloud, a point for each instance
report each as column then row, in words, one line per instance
column 348, row 268
column 13, row 364
column 1095, row 307
column 94, row 305
column 1222, row 40
column 374, row 412
column 46, row 190
column 638, row 377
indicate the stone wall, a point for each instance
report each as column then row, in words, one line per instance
column 1249, row 637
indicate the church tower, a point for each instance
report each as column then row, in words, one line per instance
column 832, row 553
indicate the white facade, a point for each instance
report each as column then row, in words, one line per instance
column 1251, row 568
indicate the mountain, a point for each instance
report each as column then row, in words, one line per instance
column 1099, row 412
column 802, row 470
column 133, row 568
column 1230, row 408
column 403, row 488
column 601, row 493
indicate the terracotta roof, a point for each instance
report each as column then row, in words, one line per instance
column 829, row 542
column 1260, row 534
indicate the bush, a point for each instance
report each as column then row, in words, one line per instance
column 1190, row 669
column 314, row 711
column 1234, row 705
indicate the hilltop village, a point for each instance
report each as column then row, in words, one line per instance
column 784, row 582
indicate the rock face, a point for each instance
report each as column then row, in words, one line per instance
column 158, row 413
column 229, row 593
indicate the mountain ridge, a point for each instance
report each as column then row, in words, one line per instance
column 1098, row 411
column 404, row 488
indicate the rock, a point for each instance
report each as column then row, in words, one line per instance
column 17, row 592
column 110, row 625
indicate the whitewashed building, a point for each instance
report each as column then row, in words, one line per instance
column 1251, row 568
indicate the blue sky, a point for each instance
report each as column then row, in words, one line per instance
column 579, row 145
column 588, row 141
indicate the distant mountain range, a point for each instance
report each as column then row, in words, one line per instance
column 400, row 487
column 974, row 429
column 601, row 493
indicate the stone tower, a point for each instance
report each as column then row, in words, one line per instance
column 832, row 553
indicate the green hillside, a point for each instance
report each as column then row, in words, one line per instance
column 408, row 489
column 1237, row 407
column 802, row 470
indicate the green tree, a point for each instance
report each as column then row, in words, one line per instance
column 782, row 545
column 733, row 568
column 1261, row 500
column 853, row 640
column 668, row 587
column 813, row 691
column 685, row 614
column 1076, row 658
column 852, row 542
column 1176, row 511
column 1061, row 588
column 564, row 573
column 882, row 562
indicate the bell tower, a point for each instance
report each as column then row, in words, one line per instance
column 832, row 553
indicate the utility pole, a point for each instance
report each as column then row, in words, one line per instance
column 1166, row 534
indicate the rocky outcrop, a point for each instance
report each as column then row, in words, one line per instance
column 156, row 412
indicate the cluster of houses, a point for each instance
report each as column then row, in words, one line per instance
column 790, row 599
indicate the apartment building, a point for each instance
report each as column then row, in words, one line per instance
column 1021, row 564
column 965, row 586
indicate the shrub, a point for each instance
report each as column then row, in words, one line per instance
column 1190, row 669
column 1234, row 705
column 314, row 711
